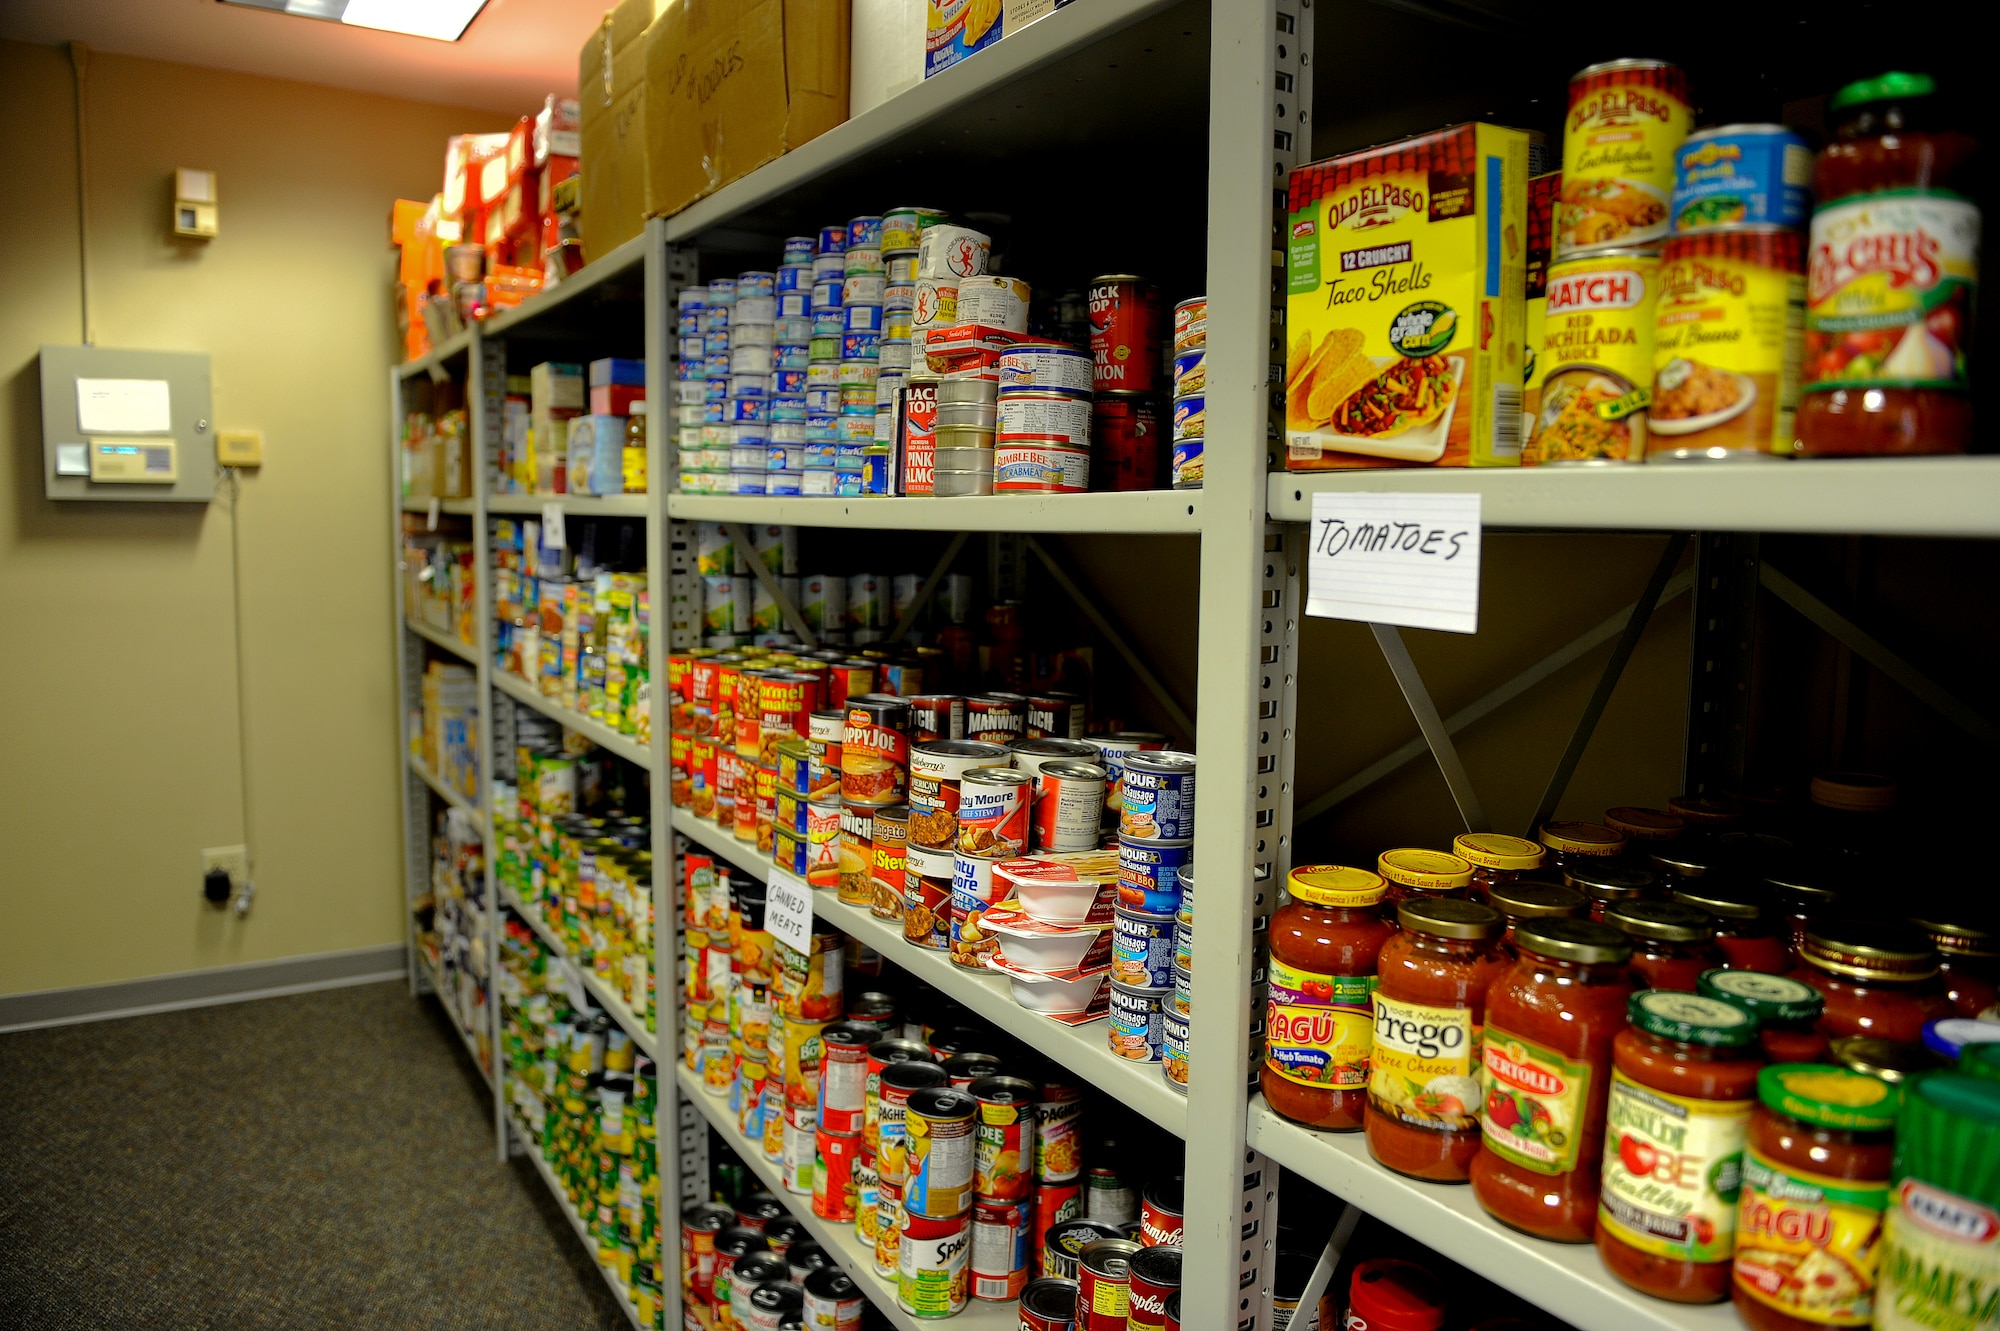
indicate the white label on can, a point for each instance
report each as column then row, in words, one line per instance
column 1046, row 414
column 1040, row 466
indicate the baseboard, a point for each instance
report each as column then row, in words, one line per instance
column 202, row 988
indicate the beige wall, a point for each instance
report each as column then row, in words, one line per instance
column 118, row 719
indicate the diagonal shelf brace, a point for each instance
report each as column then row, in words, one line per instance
column 740, row 536
column 1111, row 634
column 924, row 593
column 1876, row 653
column 1397, row 653
column 1593, row 711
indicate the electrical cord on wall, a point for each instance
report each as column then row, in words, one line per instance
column 235, row 480
column 79, row 63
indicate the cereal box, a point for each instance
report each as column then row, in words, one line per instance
column 1406, row 280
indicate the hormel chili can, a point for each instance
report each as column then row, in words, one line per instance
column 833, row 1175
column 1063, row 1245
column 846, row 679
column 1154, row 1273
column 1049, row 1304
column 1124, row 334
column 996, row 717
column 936, row 716
column 1055, row 716
column 919, row 434
column 786, row 701
column 875, row 750
column 1000, row 1248
column 1003, row 1153
column 1127, row 441
column 1104, row 1285
column 1160, row 1214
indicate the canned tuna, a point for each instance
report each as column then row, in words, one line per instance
column 992, row 301
column 1028, row 465
column 1045, row 369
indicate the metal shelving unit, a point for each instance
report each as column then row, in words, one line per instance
column 639, row 755
column 576, row 1222
column 446, row 793
column 574, row 506
column 600, row 993
column 464, row 651
column 1157, row 512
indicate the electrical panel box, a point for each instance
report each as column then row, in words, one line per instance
column 124, row 425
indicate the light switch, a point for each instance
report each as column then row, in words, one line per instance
column 239, row 448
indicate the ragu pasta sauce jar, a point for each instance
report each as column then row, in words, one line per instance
column 1318, row 1027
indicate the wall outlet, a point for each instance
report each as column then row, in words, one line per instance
column 233, row 860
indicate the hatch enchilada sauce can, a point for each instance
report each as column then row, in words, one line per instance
column 1729, row 331
column 1596, row 355
column 1626, row 121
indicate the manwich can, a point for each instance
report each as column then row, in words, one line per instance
column 936, row 716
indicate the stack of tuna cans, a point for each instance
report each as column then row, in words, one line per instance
column 752, row 352
column 864, row 283
column 965, row 423
column 902, row 231
column 1155, row 841
column 703, row 457
column 790, row 350
column 829, row 267
column 1043, row 443
column 1190, row 391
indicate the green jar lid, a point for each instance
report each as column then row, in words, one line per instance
column 1948, row 1136
column 1765, row 997
column 1829, row 1097
column 1891, row 87
column 1691, row 1019
column 1981, row 1061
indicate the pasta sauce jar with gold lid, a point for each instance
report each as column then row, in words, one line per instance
column 1879, row 979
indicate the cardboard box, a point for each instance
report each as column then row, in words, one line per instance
column 734, row 85
column 888, row 55
column 1406, row 269
column 611, row 92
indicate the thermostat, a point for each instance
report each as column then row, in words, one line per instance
column 133, row 462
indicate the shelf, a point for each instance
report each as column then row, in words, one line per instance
column 1565, row 1279
column 1051, row 89
column 460, row 507
column 1138, row 511
column 437, row 356
column 600, row 992
column 571, row 309
column 631, row 750
column 1862, row 497
column 533, row 1151
column 435, row 973
column 446, row 793
column 573, row 506
column 450, row 642
column 855, row 1257
column 1081, row 1049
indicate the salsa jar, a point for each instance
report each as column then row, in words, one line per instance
column 1815, row 1185
column 1787, row 1011
column 1744, row 923
column 1418, row 874
column 1607, row 884
column 1318, row 1025
column 1879, row 979
column 1968, row 960
column 1432, row 976
column 1892, row 271
column 1535, row 899
column 1671, row 946
column 1574, row 845
column 1550, row 1021
column 1496, row 858
column 1683, row 1084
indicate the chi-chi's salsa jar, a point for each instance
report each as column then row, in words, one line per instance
column 1318, row 1020
column 1879, row 979
column 1892, row 269
column 1550, row 1021
column 1815, row 1185
column 1430, row 1011
column 1495, row 858
column 1787, row 1011
column 1684, row 1083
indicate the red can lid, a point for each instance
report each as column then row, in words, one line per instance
column 1389, row 1294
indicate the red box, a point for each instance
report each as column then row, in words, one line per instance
column 615, row 399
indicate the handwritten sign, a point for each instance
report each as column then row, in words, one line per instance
column 1407, row 559
column 788, row 911
column 552, row 527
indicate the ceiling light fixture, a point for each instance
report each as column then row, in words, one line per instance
column 439, row 20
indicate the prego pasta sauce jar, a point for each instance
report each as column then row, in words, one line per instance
column 1319, row 1019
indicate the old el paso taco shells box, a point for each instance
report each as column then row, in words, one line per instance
column 1406, row 277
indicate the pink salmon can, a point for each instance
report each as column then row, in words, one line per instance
column 1000, row 1248
column 1125, row 327
column 919, row 434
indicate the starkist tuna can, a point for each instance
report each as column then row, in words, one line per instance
column 1047, row 369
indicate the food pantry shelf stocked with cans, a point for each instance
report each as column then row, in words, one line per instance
column 890, row 356
column 948, row 1169
column 574, row 430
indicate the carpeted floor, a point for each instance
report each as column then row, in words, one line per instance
column 324, row 1160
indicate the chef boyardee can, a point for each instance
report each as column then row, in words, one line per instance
column 1003, row 1153
column 1049, row 1304
column 899, row 1081
column 1000, row 1247
column 938, row 1123
column 832, row 1301
column 931, row 1267
column 1158, row 798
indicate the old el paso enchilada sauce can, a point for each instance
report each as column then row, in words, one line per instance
column 1626, row 120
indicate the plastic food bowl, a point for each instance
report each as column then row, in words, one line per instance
column 1041, row 993
column 1056, row 901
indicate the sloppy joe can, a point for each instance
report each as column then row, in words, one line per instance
column 1069, row 806
column 1160, row 1213
column 1063, row 1245
column 1004, row 1138
column 1157, row 798
column 888, row 1228
column 935, row 717
column 1135, row 1022
column 996, row 717
column 931, row 1266
column 927, row 876
column 1056, row 715
column 1125, row 328
column 1742, row 175
column 972, row 889
column 1127, row 440
column 833, row 1191
column 823, row 844
column 899, row 1081
column 857, row 834
column 1044, row 368
column 832, row 1301
column 1595, row 359
column 1142, row 948
column 1154, row 1274
column 939, row 1138
column 993, row 812
column 1048, row 1303
column 875, row 750
column 999, row 1261
column 1626, row 121
column 1728, row 336
column 886, row 864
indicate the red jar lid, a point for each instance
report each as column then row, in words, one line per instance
column 1388, row 1294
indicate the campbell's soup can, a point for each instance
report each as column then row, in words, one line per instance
column 1104, row 1285
column 886, row 851
column 996, row 718
column 1153, row 1274
column 1173, row 1317
column 832, row 1301
column 699, row 1227
column 935, row 717
column 994, row 812
column 834, row 1194
column 1595, row 359
column 939, row 1131
column 1048, row 1304
column 1125, row 327
column 1063, row 1245
column 932, row 1267
column 1127, row 441
column 844, row 1076
column 1626, row 121
column 899, row 1081
column 875, row 750
column 1055, row 716
column 1160, row 1214
column 888, row 1229
column 999, row 1262
column 1003, row 1153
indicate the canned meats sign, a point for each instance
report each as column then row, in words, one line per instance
column 1405, row 559
column 788, row 911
